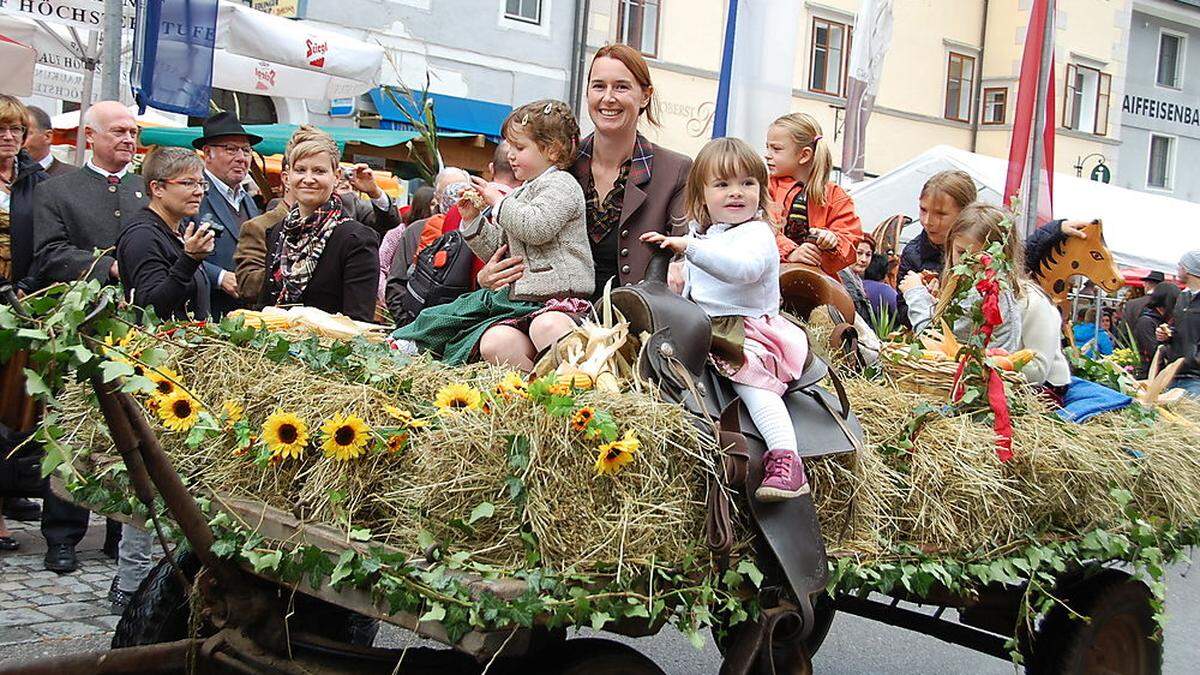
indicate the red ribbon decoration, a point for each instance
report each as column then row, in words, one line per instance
column 989, row 288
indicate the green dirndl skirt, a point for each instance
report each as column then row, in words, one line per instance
column 452, row 331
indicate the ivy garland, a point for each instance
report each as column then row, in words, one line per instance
column 691, row 596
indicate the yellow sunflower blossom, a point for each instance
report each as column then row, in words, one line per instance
column 346, row 437
column 111, row 341
column 285, row 434
column 396, row 443
column 178, row 411
column 165, row 380
column 559, row 389
column 612, row 456
column 233, row 412
column 455, row 398
column 406, row 418
column 512, row 386
column 582, row 417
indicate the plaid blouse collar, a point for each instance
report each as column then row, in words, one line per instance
column 640, row 163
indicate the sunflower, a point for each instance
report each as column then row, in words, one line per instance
column 179, row 411
column 396, row 443
column 406, row 418
column 559, row 389
column 165, row 380
column 512, row 386
column 612, row 456
column 582, row 418
column 455, row 398
column 233, row 412
column 285, row 434
column 346, row 437
column 111, row 341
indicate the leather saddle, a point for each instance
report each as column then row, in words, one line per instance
column 674, row 355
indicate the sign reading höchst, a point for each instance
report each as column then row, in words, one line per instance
column 78, row 13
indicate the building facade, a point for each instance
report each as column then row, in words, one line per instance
column 950, row 76
column 1160, row 123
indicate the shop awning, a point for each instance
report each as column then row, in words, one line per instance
column 452, row 112
column 275, row 136
column 19, row 59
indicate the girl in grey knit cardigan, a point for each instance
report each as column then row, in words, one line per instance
column 544, row 221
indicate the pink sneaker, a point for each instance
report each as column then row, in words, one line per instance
column 783, row 477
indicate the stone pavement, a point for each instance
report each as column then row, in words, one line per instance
column 45, row 614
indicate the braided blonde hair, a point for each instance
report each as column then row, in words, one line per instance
column 551, row 126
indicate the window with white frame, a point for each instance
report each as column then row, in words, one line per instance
column 1160, row 173
column 995, row 105
column 1086, row 99
column 828, row 56
column 637, row 25
column 960, row 86
column 1169, row 71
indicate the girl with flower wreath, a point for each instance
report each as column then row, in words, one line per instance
column 978, row 226
column 543, row 222
column 731, row 269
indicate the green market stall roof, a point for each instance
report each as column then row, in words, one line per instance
column 275, row 136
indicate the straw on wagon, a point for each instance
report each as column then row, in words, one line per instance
column 940, row 490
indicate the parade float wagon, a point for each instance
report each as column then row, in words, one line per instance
column 319, row 483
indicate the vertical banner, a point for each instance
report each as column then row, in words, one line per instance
column 756, row 68
column 173, row 55
column 1034, row 91
column 872, row 37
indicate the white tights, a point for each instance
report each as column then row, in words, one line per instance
column 770, row 415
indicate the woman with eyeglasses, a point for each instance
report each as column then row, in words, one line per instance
column 159, row 254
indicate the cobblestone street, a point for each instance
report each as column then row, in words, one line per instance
column 43, row 613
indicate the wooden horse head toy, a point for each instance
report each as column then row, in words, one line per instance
column 1088, row 257
column 887, row 242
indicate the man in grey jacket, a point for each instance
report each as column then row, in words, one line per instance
column 75, row 214
column 380, row 213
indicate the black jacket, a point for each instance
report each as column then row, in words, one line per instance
column 1144, row 327
column 1185, row 334
column 919, row 255
column 157, row 273
column 29, row 173
column 346, row 278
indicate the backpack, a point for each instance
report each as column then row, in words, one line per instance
column 440, row 273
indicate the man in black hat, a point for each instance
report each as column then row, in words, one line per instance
column 227, row 152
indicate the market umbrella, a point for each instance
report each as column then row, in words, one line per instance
column 16, row 77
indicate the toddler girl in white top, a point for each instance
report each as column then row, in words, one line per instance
column 731, row 269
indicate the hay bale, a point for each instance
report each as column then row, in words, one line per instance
column 652, row 510
column 944, row 493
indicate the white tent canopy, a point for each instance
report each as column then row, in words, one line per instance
column 263, row 54
column 1141, row 229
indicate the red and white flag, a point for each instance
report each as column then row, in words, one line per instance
column 1024, row 136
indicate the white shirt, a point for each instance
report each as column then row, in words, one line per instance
column 733, row 270
column 232, row 195
column 120, row 174
column 47, row 161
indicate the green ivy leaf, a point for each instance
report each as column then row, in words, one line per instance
column 751, row 570
column 360, row 534
column 111, row 370
column 35, row 385
column 343, row 568
column 484, row 510
column 263, row 562
column 599, row 619
column 436, row 613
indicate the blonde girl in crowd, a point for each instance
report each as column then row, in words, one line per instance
column 731, row 269
column 817, row 220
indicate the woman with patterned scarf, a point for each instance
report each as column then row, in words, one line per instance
column 318, row 256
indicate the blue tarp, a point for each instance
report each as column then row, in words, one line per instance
column 452, row 112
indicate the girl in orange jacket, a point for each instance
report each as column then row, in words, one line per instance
column 816, row 217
